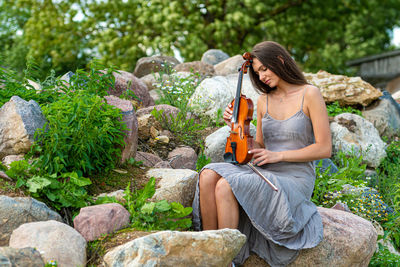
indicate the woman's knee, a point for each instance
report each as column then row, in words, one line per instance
column 223, row 189
column 208, row 179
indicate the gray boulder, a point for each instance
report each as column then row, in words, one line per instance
column 21, row 257
column 214, row 56
column 214, row 248
column 19, row 120
column 351, row 132
column 56, row 241
column 384, row 114
column 147, row 65
column 17, row 211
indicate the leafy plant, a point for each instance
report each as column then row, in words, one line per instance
column 58, row 190
column 83, row 134
column 392, row 228
column 389, row 174
column 328, row 186
column 335, row 109
column 384, row 258
column 175, row 91
column 159, row 215
column 11, row 85
column 202, row 161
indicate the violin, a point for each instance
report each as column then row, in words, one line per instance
column 239, row 140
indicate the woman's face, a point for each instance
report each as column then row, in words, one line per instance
column 266, row 75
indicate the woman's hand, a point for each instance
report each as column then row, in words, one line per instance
column 228, row 115
column 263, row 156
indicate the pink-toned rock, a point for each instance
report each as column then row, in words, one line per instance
column 199, row 67
column 127, row 81
column 341, row 206
column 229, row 66
column 94, row 221
column 163, row 165
column 7, row 160
column 349, row 241
column 148, row 159
column 5, row 176
column 147, row 65
column 183, row 158
column 166, row 108
column 129, row 117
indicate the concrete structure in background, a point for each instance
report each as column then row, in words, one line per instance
column 381, row 70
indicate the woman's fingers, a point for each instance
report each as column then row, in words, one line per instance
column 228, row 114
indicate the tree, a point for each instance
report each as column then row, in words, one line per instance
column 319, row 34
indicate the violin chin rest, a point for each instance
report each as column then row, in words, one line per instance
column 229, row 158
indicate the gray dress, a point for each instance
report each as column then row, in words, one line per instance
column 277, row 224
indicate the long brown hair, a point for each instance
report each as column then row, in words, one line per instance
column 276, row 58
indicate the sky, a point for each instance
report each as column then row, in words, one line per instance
column 396, row 37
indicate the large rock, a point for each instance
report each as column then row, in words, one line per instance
column 127, row 81
column 214, row 56
column 349, row 241
column 155, row 80
column 229, row 66
column 181, row 249
column 345, row 90
column 351, row 132
column 214, row 94
column 7, row 160
column 56, row 241
column 199, row 67
column 174, row 185
column 148, row 159
column 183, row 158
column 19, row 120
column 21, row 257
column 384, row 115
column 131, row 122
column 147, row 65
column 215, row 143
column 94, row 221
column 20, row 210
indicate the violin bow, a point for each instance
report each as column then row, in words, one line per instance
column 262, row 176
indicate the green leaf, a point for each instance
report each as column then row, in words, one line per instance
column 148, row 208
column 37, row 183
column 162, row 206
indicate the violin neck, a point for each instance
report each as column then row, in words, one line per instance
column 237, row 98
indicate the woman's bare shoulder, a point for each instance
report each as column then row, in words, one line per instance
column 261, row 103
column 312, row 90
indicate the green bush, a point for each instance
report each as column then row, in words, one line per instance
column 159, row 215
column 328, row 186
column 82, row 134
column 11, row 85
column 384, row 258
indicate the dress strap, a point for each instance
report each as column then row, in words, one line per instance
column 302, row 100
column 266, row 111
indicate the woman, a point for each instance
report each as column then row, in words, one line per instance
column 292, row 132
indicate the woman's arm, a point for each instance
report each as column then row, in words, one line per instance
column 261, row 106
column 322, row 148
